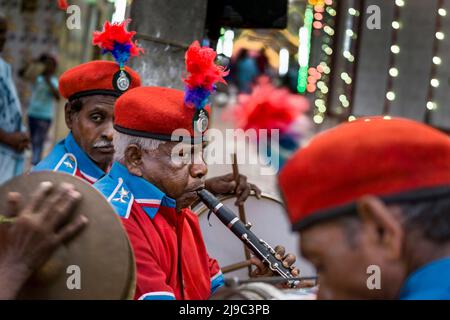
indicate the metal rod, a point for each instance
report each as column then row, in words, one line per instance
column 236, row 266
column 148, row 37
column 271, row 280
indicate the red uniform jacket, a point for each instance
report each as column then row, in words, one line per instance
column 171, row 257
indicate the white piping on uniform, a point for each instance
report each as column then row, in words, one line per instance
column 62, row 161
column 115, row 190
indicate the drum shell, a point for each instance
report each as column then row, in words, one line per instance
column 269, row 222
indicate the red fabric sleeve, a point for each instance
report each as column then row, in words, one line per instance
column 151, row 280
column 216, row 275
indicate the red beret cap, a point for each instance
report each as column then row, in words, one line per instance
column 393, row 158
column 155, row 112
column 95, row 77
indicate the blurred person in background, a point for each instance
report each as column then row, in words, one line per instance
column 13, row 138
column 41, row 107
column 246, row 71
column 290, row 79
column 262, row 61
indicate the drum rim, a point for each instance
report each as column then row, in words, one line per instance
column 82, row 185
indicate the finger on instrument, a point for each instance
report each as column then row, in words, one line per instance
column 279, row 252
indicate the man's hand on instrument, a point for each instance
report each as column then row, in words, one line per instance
column 263, row 270
column 32, row 230
column 227, row 185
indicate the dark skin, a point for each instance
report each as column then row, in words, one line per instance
column 380, row 239
column 39, row 227
column 227, row 185
column 18, row 141
column 177, row 180
column 93, row 124
column 92, row 128
column 180, row 178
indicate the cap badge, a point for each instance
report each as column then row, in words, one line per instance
column 201, row 121
column 121, row 81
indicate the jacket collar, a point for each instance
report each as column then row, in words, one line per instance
column 87, row 167
column 147, row 195
column 432, row 281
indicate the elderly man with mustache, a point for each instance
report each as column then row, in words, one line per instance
column 159, row 166
column 87, row 151
column 91, row 90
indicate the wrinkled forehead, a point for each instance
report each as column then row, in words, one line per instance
column 186, row 147
column 99, row 100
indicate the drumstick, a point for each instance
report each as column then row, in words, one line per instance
column 241, row 207
column 236, row 266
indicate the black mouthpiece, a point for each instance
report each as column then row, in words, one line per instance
column 207, row 198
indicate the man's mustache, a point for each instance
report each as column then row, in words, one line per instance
column 196, row 187
column 103, row 144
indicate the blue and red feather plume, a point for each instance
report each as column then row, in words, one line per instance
column 203, row 74
column 63, row 4
column 115, row 39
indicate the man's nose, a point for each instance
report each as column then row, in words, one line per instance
column 108, row 133
column 198, row 170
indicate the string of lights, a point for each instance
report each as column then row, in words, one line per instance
column 336, row 91
column 304, row 49
column 437, row 60
column 319, row 76
column 349, row 51
column 395, row 51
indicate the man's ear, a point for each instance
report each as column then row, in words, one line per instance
column 68, row 115
column 380, row 225
column 133, row 159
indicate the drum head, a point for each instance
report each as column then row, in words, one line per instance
column 267, row 215
column 100, row 255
